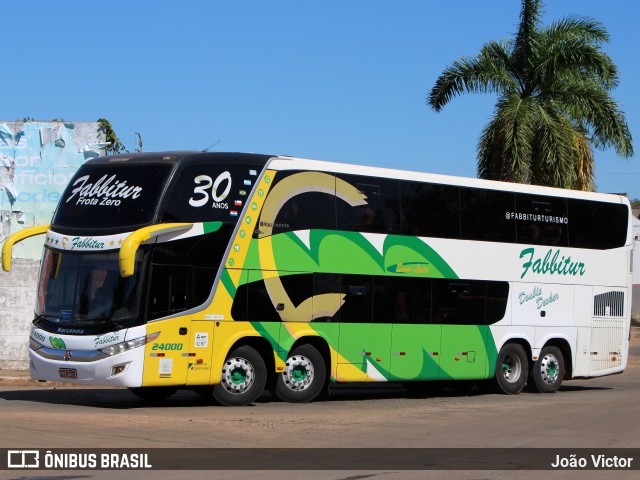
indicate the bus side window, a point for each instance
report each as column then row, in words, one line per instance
column 380, row 214
column 430, row 210
column 306, row 209
column 253, row 302
column 182, row 272
column 469, row 302
column 169, row 290
column 239, row 307
column 487, row 215
column 401, row 300
column 596, row 225
column 459, row 302
column 497, row 298
column 358, row 300
column 541, row 220
column 327, row 283
column 260, row 307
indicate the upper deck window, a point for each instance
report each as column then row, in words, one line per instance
column 112, row 196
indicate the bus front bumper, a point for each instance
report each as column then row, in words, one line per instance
column 87, row 367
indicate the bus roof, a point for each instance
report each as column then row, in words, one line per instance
column 182, row 157
column 283, row 162
column 295, row 163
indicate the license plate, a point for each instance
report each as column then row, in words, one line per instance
column 68, row 373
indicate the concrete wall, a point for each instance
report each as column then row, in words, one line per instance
column 17, row 299
column 37, row 160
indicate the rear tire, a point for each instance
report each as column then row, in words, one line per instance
column 512, row 368
column 304, row 375
column 548, row 371
column 244, row 376
column 153, row 394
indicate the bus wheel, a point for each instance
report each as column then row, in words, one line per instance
column 303, row 377
column 244, row 375
column 511, row 369
column 548, row 371
column 153, row 394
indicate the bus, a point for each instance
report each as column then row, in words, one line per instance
column 230, row 273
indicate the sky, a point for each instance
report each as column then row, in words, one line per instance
column 345, row 81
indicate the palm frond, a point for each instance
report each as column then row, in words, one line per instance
column 553, row 160
column 485, row 73
column 591, row 106
column 582, row 28
column 610, row 129
column 584, row 163
column 525, row 38
column 566, row 56
column 505, row 147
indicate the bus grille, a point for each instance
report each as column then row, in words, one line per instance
column 607, row 340
column 609, row 304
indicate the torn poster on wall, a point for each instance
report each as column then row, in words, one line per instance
column 37, row 160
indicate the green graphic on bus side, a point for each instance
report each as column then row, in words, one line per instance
column 349, row 253
column 436, row 351
column 388, row 351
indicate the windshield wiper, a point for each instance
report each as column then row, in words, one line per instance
column 43, row 316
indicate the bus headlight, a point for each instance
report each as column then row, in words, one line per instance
column 129, row 345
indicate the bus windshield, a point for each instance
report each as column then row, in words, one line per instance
column 85, row 291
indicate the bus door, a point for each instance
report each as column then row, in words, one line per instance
column 459, row 306
column 365, row 341
column 463, row 352
column 415, row 345
column 168, row 356
column 200, row 352
column 415, row 352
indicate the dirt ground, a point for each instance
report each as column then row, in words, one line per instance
column 592, row 413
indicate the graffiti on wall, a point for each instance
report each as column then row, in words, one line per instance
column 37, row 160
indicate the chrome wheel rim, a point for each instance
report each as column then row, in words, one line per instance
column 511, row 368
column 549, row 369
column 298, row 373
column 237, row 375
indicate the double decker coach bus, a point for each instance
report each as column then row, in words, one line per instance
column 232, row 273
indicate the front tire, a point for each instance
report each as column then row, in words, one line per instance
column 512, row 368
column 244, row 376
column 548, row 371
column 304, row 375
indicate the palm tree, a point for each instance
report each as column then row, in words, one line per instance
column 553, row 105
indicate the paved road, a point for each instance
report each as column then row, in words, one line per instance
column 594, row 413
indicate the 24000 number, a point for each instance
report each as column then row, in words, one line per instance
column 167, row 346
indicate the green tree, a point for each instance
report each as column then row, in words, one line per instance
column 554, row 104
column 111, row 137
